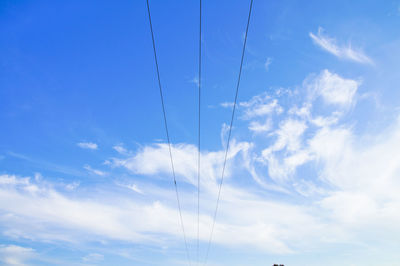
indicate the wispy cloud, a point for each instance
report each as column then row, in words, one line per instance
column 260, row 105
column 260, row 127
column 155, row 160
column 120, row 149
column 332, row 88
column 72, row 186
column 267, row 63
column 333, row 96
column 132, row 187
column 68, row 217
column 13, row 180
column 88, row 145
column 226, row 104
column 356, row 178
column 12, row 255
column 94, row 171
column 93, row 258
column 345, row 52
column 46, row 164
column 195, row 80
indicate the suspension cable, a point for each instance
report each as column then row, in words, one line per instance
column 167, row 133
column 199, row 153
column 230, row 130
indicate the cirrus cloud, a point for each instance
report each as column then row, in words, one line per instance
column 345, row 52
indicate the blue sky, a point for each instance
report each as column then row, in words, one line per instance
column 313, row 172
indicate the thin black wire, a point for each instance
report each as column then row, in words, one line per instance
column 199, row 153
column 166, row 131
column 230, row 130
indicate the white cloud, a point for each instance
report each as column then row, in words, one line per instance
column 68, row 218
column 72, row 186
column 303, row 112
column 345, row 52
column 349, row 165
column 363, row 173
column 93, row 257
column 260, row 105
column 153, row 160
column 94, row 171
column 132, row 187
column 13, row 180
column 267, row 63
column 12, row 255
column 287, row 147
column 288, row 135
column 326, row 121
column 354, row 178
column 120, row 149
column 355, row 183
column 81, row 215
column 258, row 127
column 333, row 88
column 195, row 80
column 227, row 105
column 88, row 145
column 308, row 188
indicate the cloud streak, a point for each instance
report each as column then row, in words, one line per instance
column 344, row 52
column 88, row 145
column 13, row 255
column 128, row 220
column 94, row 171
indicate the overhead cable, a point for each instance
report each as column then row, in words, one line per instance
column 167, row 133
column 230, row 131
column 199, row 151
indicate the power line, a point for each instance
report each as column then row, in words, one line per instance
column 199, row 153
column 230, row 131
column 166, row 131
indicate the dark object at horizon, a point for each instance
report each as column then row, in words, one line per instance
column 278, row 265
